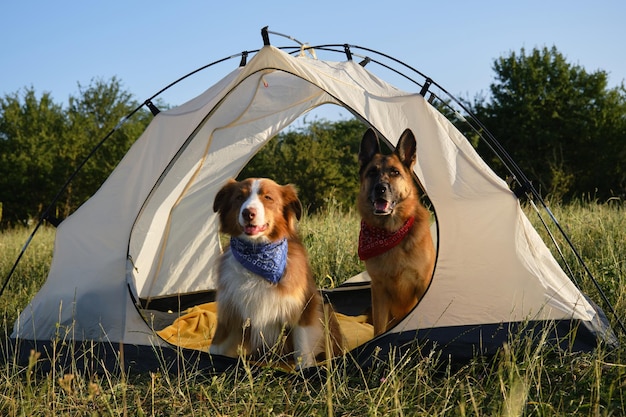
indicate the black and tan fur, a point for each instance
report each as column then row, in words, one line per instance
column 388, row 197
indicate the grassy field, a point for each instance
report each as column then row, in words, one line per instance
column 521, row 381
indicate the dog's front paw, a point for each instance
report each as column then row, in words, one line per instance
column 304, row 361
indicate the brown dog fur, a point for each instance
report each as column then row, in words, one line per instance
column 261, row 211
column 401, row 275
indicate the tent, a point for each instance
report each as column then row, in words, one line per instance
column 146, row 242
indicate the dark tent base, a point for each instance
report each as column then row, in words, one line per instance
column 459, row 345
column 453, row 345
column 100, row 357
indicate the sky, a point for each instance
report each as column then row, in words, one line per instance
column 56, row 46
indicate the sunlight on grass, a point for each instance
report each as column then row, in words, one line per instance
column 331, row 240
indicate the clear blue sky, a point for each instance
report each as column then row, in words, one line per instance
column 53, row 46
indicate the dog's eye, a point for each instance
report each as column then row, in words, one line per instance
column 372, row 172
column 268, row 197
column 394, row 172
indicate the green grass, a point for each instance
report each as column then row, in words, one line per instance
column 522, row 381
column 330, row 239
column 599, row 234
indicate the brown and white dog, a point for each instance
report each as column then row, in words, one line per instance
column 395, row 240
column 266, row 289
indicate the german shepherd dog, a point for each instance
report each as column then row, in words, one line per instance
column 395, row 240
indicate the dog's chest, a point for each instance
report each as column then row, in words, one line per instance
column 397, row 263
column 255, row 298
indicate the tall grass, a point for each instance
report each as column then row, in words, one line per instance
column 330, row 239
column 30, row 273
column 598, row 232
column 524, row 380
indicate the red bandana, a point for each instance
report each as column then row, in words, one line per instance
column 373, row 240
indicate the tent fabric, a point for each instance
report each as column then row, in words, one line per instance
column 149, row 232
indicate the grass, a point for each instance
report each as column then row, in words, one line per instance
column 523, row 380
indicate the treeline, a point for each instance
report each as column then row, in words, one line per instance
column 320, row 159
column 563, row 125
column 42, row 143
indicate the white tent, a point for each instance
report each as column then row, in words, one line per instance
column 149, row 233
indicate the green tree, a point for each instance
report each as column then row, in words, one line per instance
column 42, row 144
column 321, row 159
column 561, row 124
column 30, row 128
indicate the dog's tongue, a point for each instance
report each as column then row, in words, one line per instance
column 252, row 230
column 382, row 206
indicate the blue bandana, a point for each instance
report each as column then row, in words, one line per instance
column 266, row 259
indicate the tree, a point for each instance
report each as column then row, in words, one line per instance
column 561, row 124
column 42, row 144
column 320, row 159
column 29, row 132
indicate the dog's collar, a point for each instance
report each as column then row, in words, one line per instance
column 266, row 259
column 374, row 241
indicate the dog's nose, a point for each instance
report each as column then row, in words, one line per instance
column 248, row 214
column 381, row 188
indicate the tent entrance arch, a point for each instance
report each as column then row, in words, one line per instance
column 494, row 275
column 179, row 208
column 174, row 242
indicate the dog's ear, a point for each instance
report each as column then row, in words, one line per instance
column 293, row 206
column 406, row 148
column 223, row 195
column 369, row 148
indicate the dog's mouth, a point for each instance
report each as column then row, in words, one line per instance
column 383, row 207
column 253, row 230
